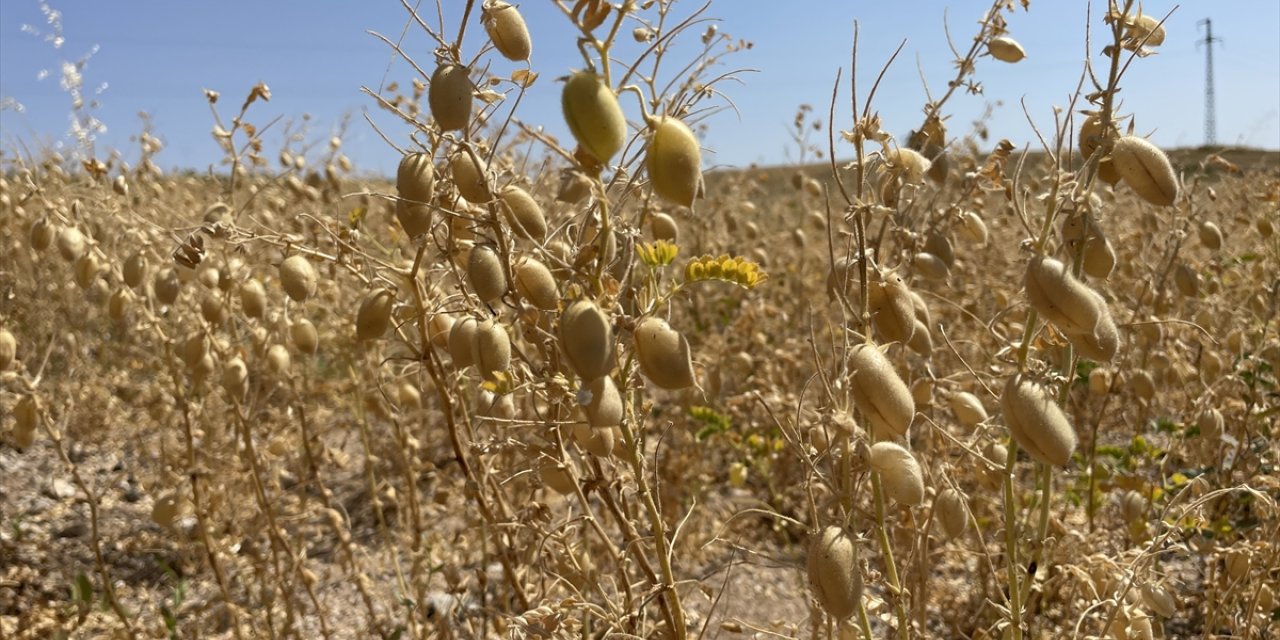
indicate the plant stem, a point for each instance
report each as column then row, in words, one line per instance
column 891, row 567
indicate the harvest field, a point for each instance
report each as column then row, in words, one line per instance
column 947, row 385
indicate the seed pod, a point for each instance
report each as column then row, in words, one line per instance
column 594, row 116
column 974, row 227
column 491, row 349
column 1100, row 381
column 880, row 393
column 907, row 164
column 1144, row 27
column 892, row 309
column 450, row 97
column 586, row 338
column 557, row 477
column 166, row 509
column 8, row 349
column 663, row 354
column 1146, row 169
column 1210, row 423
column 71, row 244
column 967, row 408
column 664, row 227
column 523, row 213
column 374, row 317
column 212, row 310
column 601, row 402
column 1133, row 506
column 899, row 471
column 471, row 178
column 1091, row 136
column 1036, row 422
column 674, row 162
column 416, row 177
column 1160, row 600
column 1210, row 235
column 834, row 575
column 1099, row 256
column 166, row 286
column 304, row 336
column 994, row 465
column 253, row 298
column 278, row 360
column 86, row 270
column 535, row 283
column 134, row 270
column 938, row 244
column 929, row 266
column 922, row 392
column 298, row 277
column 415, row 219
column 1238, row 563
column 921, row 341
column 1187, row 280
column 1101, row 345
column 598, row 442
column 1265, row 227
column 26, row 414
column 438, row 329
column 1005, row 49
column 949, row 510
column 1060, row 298
column 42, row 234
column 461, row 338
column 575, row 186
column 235, row 378
column 1142, row 385
column 507, row 30
column 485, row 274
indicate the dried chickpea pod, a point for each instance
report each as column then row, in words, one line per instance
column 470, row 176
column 1142, row 385
column 1103, row 343
column 72, row 244
column 253, row 298
column 880, row 393
column 166, row 509
column 594, row 116
column 975, row 228
column 304, row 336
column 586, row 338
column 278, row 360
column 664, row 227
column 416, row 177
column 663, row 354
column 1186, row 280
column 134, row 270
column 967, row 408
column 8, row 349
column 26, row 415
column 507, row 30
column 1160, row 600
column 929, row 266
column 212, row 310
column 86, row 269
column 491, row 349
column 1037, row 422
column 166, row 286
column 374, row 316
column 1146, row 169
column 414, row 219
column 598, row 442
column 42, row 234
column 495, row 406
column 298, row 277
column 557, row 477
column 1098, row 255
column 1091, row 136
column 1062, row 299
column 601, row 403
column 921, row 340
column 523, row 213
column 922, row 391
column 450, row 97
column 485, row 273
column 461, row 338
column 835, row 578
column 535, row 284
column 1210, row 235
column 949, row 510
column 892, row 309
column 905, row 163
column 235, row 378
column 1005, row 49
column 674, row 161
column 1133, row 506
column 902, row 479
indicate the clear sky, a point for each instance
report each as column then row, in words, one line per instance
column 315, row 55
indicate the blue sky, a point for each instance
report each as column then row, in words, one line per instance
column 158, row 56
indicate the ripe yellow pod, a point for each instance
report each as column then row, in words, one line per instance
column 438, row 329
column 470, row 178
column 253, row 298
column 900, row 474
column 415, row 219
column 892, row 309
column 594, row 116
column 880, row 393
column 298, row 277
column 1142, row 385
column 450, row 97
column 664, row 227
column 834, row 575
column 523, row 213
column 557, row 477
column 278, row 359
column 26, row 414
column 461, row 338
column 1210, row 423
column 1103, row 343
column 374, row 316
column 1092, row 134
column 1187, row 280
column 212, row 309
column 42, row 234
column 235, row 378
column 1210, row 235
column 134, row 270
column 507, row 30
column 598, row 442
column 1160, row 600
column 1066, row 302
column 535, row 283
column 485, row 273
column 974, row 227
column 1005, row 49
column 906, row 163
column 586, row 338
column 601, row 403
column 72, row 244
column 416, row 177
column 1037, row 423
column 674, row 161
column 8, row 349
column 929, row 266
column 491, row 349
column 1133, row 506
column 1100, row 381
column 921, row 341
column 967, row 408
column 304, row 335
column 86, row 269
column 949, row 510
column 166, row 286
column 1146, row 169
column 663, row 354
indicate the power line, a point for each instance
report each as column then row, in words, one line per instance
column 1210, row 117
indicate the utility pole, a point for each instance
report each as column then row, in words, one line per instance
column 1210, row 118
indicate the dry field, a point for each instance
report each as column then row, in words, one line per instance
column 947, row 387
